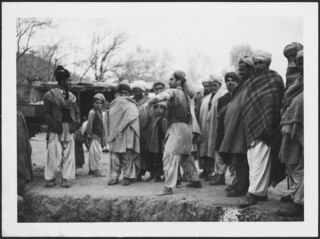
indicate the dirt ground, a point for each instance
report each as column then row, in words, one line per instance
column 85, row 184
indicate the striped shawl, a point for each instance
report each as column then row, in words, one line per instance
column 261, row 106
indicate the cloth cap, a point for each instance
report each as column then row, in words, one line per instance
column 246, row 60
column 263, row 56
column 180, row 75
column 123, row 86
column 293, row 46
column 159, row 83
column 61, row 74
column 215, row 78
column 232, row 75
column 300, row 54
column 99, row 96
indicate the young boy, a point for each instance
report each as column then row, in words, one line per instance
column 158, row 132
column 95, row 135
column 79, row 139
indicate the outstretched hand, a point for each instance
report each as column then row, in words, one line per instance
column 145, row 106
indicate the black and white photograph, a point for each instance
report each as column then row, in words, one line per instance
column 159, row 119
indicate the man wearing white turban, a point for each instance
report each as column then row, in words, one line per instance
column 261, row 106
column 208, row 125
column 207, row 89
column 262, row 56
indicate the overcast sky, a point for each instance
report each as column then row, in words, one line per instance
column 185, row 38
column 182, row 31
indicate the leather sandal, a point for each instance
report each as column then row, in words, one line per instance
column 113, row 182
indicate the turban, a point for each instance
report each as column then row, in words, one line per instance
column 300, row 54
column 138, row 86
column 215, row 78
column 246, row 60
column 263, row 56
column 232, row 75
column 180, row 75
column 123, row 86
column 99, row 96
column 61, row 74
column 163, row 104
column 293, row 46
column 205, row 81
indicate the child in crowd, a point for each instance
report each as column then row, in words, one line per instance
column 79, row 139
column 158, row 131
column 95, row 135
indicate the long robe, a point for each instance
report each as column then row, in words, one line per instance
column 208, row 122
column 124, row 125
column 124, row 139
column 234, row 140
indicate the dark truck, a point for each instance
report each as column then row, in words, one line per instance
column 34, row 111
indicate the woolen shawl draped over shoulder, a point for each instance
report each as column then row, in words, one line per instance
column 123, row 111
column 261, row 104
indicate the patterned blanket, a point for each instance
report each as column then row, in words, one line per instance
column 261, row 106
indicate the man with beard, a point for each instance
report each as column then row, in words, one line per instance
column 290, row 52
column 233, row 147
column 207, row 89
column 220, row 168
column 292, row 145
column 261, row 107
column 208, row 124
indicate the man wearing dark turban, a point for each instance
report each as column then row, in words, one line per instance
column 231, row 79
column 233, row 147
column 290, row 52
column 61, row 113
column 292, row 145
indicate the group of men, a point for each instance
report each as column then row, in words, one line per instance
column 253, row 127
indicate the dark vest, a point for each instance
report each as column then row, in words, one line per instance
column 178, row 113
column 97, row 125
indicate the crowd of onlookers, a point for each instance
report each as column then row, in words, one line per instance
column 251, row 124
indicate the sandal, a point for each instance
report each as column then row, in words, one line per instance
column 113, row 182
column 126, row 182
column 50, row 183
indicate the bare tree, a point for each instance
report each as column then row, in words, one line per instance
column 104, row 50
column 144, row 65
column 237, row 52
column 199, row 67
column 26, row 28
